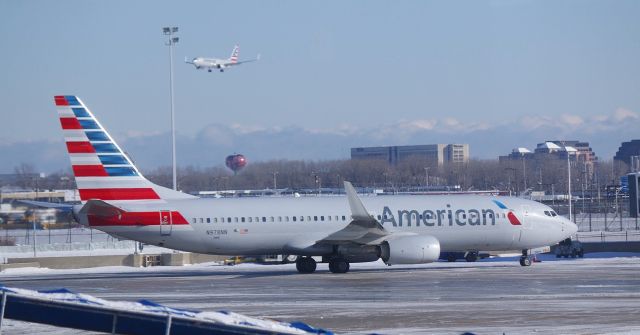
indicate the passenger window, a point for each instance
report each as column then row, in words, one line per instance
column 337, row 218
column 201, row 220
column 194, row 220
column 208, row 220
column 301, row 218
column 229, row 219
column 294, row 218
column 286, row 219
column 215, row 220
column 242, row 219
column 235, row 219
column 329, row 218
column 272, row 219
column 308, row 218
column 250, row 219
column 264, row 219
column 322, row 218
column 344, row 218
column 257, row 219
column 315, row 218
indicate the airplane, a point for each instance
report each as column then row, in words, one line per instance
column 218, row 63
column 401, row 229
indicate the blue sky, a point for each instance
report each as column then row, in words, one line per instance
column 334, row 74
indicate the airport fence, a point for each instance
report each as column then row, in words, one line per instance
column 54, row 236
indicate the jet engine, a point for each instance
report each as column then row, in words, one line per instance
column 410, row 250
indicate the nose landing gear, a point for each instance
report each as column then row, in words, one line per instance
column 525, row 259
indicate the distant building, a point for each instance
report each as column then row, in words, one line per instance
column 556, row 149
column 439, row 153
column 517, row 154
column 628, row 150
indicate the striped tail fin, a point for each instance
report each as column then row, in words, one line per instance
column 101, row 169
column 234, row 54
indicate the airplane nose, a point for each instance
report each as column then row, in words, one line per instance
column 570, row 227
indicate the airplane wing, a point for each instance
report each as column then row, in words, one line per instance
column 364, row 229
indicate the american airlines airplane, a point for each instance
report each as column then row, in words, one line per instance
column 217, row 63
column 404, row 229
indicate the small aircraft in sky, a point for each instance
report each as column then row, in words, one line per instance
column 218, row 63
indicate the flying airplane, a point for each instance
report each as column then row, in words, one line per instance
column 402, row 229
column 218, row 63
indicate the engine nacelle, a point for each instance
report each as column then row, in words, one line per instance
column 415, row 249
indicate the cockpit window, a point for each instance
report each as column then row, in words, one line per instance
column 547, row 213
column 553, row 213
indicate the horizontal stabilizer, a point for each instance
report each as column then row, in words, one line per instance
column 43, row 204
column 100, row 208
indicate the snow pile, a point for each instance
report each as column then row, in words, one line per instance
column 146, row 306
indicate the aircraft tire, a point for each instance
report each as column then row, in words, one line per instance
column 471, row 257
column 525, row 261
column 339, row 266
column 306, row 265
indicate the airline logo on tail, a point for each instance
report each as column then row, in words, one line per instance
column 101, row 169
column 234, row 54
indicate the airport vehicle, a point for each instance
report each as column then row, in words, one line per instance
column 568, row 248
column 404, row 229
column 210, row 64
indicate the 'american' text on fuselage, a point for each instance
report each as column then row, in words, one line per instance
column 439, row 217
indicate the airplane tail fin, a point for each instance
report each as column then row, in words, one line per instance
column 101, row 169
column 234, row 54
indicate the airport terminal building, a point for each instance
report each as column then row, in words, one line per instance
column 439, row 153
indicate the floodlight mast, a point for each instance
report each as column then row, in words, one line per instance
column 169, row 31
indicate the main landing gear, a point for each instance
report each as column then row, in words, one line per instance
column 338, row 265
column 525, row 259
column 306, row 265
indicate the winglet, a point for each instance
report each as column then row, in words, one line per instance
column 358, row 211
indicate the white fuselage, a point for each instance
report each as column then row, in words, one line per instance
column 211, row 63
column 289, row 225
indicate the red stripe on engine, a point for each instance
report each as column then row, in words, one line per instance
column 61, row 100
column 70, row 123
column 80, row 148
column 135, row 219
column 118, row 194
column 89, row 171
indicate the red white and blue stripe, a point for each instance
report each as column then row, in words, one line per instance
column 101, row 168
column 512, row 217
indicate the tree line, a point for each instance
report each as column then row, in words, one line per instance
column 517, row 176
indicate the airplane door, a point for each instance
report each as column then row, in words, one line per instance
column 523, row 217
column 526, row 223
column 166, row 223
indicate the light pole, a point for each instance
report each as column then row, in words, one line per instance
column 524, row 175
column 426, row 176
column 275, row 180
column 169, row 31
column 569, row 150
column 514, row 179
